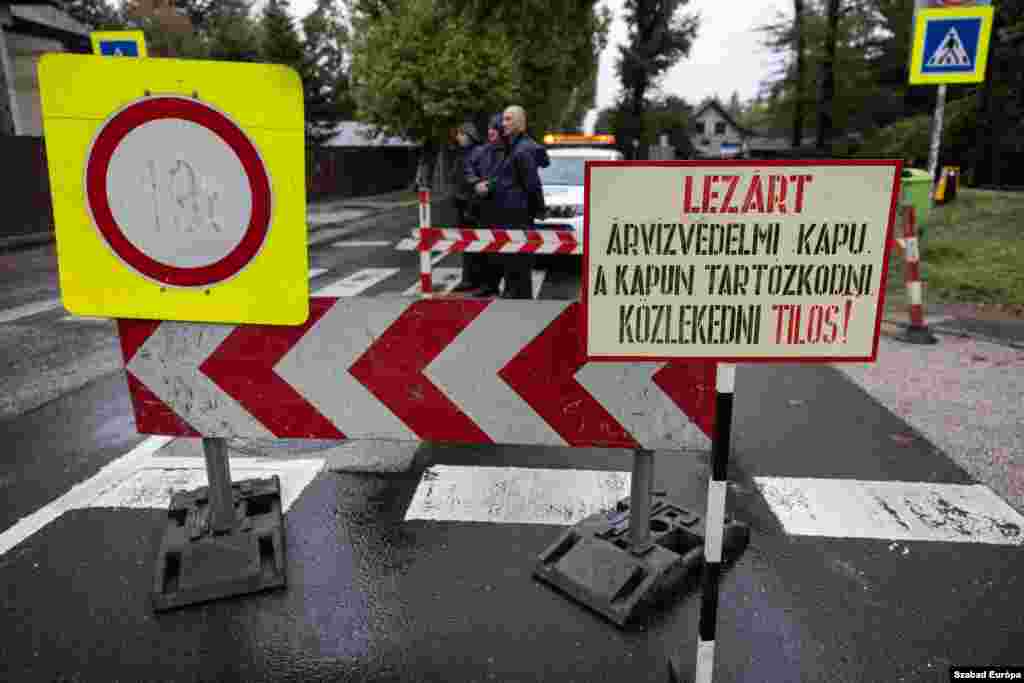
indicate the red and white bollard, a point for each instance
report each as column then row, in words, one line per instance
column 426, row 283
column 917, row 332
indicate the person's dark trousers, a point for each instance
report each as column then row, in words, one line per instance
column 473, row 265
column 518, row 270
column 518, row 276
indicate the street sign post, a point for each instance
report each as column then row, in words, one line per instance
column 733, row 261
column 950, row 45
column 173, row 197
column 118, row 43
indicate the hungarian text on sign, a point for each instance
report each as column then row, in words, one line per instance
column 738, row 260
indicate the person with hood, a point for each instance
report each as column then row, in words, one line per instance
column 468, row 139
column 517, row 198
column 483, row 275
column 466, row 202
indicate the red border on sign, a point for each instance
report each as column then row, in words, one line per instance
column 747, row 163
column 98, row 163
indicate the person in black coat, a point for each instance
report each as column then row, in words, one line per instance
column 466, row 203
column 484, row 160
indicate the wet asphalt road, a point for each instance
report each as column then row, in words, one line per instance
column 373, row 597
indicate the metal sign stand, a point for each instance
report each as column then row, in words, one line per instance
column 221, row 540
column 623, row 562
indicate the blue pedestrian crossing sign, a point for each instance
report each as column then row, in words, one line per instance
column 118, row 43
column 950, row 45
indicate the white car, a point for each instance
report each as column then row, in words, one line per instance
column 563, row 185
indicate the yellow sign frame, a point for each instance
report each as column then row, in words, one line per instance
column 80, row 95
column 917, row 59
column 137, row 37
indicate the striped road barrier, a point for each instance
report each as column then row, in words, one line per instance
column 427, row 240
column 917, row 332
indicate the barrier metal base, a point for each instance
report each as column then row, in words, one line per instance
column 197, row 565
column 917, row 335
column 594, row 563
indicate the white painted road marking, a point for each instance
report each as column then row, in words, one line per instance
column 357, row 282
column 151, row 485
column 143, row 479
column 80, row 494
column 18, row 312
column 313, row 272
column 515, row 495
column 892, row 510
column 444, row 280
column 343, row 244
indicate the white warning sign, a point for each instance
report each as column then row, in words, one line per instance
column 951, row 51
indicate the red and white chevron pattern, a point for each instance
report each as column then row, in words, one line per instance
column 492, row 241
column 460, row 371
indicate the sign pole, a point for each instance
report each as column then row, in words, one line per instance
column 218, row 474
column 936, row 141
column 725, row 379
column 640, row 500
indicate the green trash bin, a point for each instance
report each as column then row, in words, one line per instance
column 918, row 184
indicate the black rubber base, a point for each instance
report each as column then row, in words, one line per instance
column 195, row 565
column 594, row 564
column 917, row 335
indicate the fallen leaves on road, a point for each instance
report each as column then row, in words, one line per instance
column 902, row 439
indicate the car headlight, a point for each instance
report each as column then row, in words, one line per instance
column 577, row 209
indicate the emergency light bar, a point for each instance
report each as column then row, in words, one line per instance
column 554, row 139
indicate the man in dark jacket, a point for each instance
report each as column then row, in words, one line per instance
column 518, row 198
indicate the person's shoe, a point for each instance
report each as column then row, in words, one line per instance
column 465, row 288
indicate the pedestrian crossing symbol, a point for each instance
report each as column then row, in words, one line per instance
column 951, row 52
column 950, row 45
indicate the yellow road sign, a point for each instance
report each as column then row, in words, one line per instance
column 118, row 43
column 178, row 188
column 950, row 45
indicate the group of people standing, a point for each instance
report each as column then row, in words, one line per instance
column 498, row 186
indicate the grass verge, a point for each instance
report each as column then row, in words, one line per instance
column 972, row 252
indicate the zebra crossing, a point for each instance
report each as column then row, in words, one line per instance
column 496, row 494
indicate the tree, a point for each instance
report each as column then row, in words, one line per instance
column 206, row 13
column 826, row 84
column 419, row 70
column 669, row 115
column 735, row 106
column 225, row 28
column 798, row 97
column 280, row 42
column 327, row 93
column 99, row 15
column 169, row 32
column 658, row 37
column 555, row 46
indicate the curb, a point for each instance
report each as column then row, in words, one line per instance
column 937, row 328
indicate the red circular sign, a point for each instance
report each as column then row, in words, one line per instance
column 98, row 162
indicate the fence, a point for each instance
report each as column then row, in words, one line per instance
column 359, row 171
column 26, row 202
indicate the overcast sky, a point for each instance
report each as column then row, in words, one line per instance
column 726, row 57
